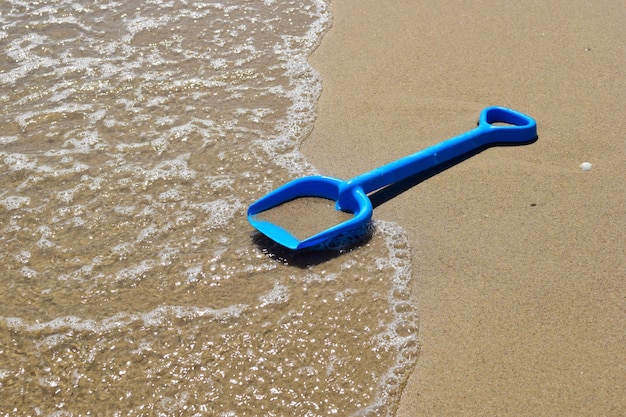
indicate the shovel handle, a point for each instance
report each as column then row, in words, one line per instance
column 517, row 128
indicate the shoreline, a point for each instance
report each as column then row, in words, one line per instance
column 518, row 253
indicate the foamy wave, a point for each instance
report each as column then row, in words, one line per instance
column 18, row 161
column 135, row 272
column 5, row 140
column 220, row 212
column 177, row 168
column 401, row 334
column 153, row 318
column 20, row 51
column 278, row 295
column 304, row 92
column 14, row 202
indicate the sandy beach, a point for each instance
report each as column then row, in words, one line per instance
column 519, row 254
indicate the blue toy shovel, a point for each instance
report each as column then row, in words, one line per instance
column 496, row 126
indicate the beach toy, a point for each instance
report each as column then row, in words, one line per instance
column 496, row 126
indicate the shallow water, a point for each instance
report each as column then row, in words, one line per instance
column 132, row 138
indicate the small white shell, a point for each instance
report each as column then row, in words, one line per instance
column 585, row 166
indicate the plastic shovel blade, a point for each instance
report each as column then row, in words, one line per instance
column 328, row 188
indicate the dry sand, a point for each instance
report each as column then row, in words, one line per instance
column 520, row 273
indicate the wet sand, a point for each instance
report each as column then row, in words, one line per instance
column 519, row 254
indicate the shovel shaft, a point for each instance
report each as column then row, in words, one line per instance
column 519, row 129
